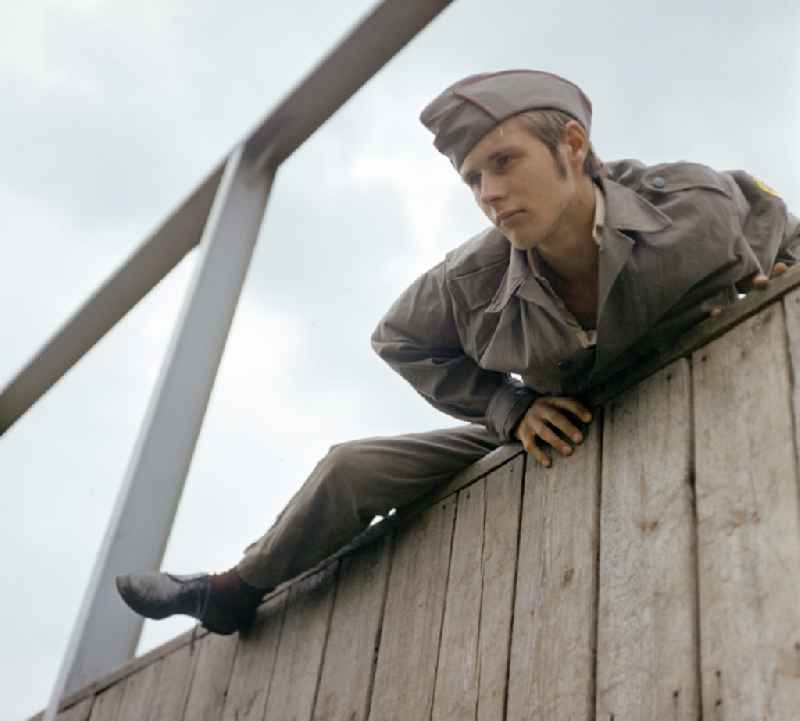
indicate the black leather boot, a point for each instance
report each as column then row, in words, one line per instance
column 221, row 607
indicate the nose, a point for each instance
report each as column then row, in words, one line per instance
column 491, row 189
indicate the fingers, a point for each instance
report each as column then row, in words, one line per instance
column 540, row 455
column 541, row 422
column 560, row 421
column 548, row 435
column 760, row 280
column 528, row 439
column 571, row 405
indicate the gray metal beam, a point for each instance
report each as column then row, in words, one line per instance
column 134, row 279
column 375, row 40
column 365, row 50
column 106, row 632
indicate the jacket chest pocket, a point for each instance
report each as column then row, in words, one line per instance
column 473, row 293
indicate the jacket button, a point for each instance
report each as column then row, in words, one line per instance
column 565, row 364
column 657, row 182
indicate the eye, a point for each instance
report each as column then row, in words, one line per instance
column 502, row 160
column 473, row 180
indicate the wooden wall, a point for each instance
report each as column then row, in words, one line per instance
column 653, row 575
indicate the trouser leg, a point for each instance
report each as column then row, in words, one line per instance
column 352, row 484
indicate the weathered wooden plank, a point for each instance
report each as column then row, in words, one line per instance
column 140, row 689
column 500, row 538
column 348, row 667
column 130, row 667
column 302, row 643
column 473, row 654
column 747, row 516
column 646, row 634
column 174, row 677
column 552, row 649
column 406, row 670
column 456, row 695
column 254, row 664
column 107, row 703
column 211, row 677
column 497, row 458
column 791, row 306
column 78, row 712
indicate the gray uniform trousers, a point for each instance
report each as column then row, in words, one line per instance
column 352, row 484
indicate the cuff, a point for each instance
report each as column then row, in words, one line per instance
column 508, row 405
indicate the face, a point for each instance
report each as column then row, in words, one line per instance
column 518, row 185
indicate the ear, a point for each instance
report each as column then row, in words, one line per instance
column 575, row 143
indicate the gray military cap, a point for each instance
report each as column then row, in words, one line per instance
column 470, row 108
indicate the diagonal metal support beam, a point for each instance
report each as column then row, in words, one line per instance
column 107, row 632
column 133, row 280
column 375, row 40
column 383, row 32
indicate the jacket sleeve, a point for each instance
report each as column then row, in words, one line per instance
column 771, row 230
column 419, row 339
column 789, row 251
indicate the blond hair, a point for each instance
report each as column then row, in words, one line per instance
column 547, row 125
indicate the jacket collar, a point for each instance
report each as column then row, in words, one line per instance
column 624, row 210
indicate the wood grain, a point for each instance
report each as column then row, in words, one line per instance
column 748, row 531
column 552, row 649
column 473, row 656
column 174, row 677
column 349, row 663
column 211, row 677
column 140, row 689
column 500, row 538
column 255, row 663
column 406, row 672
column 647, row 640
column 302, row 643
column 132, row 666
column 791, row 307
column 107, row 704
column 456, row 695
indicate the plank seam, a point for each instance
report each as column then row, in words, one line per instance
column 188, row 691
column 696, row 544
column 284, row 611
column 790, row 370
column 325, row 640
column 156, row 670
column 601, row 424
column 390, row 542
column 522, row 485
column 90, row 709
column 480, row 605
column 444, row 608
column 229, row 676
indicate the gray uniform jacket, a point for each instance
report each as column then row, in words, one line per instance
column 676, row 236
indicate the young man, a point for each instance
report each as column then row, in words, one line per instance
column 586, row 268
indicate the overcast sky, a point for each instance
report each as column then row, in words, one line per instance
column 113, row 110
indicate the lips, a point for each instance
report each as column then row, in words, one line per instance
column 506, row 216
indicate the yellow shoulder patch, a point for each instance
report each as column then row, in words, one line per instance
column 766, row 188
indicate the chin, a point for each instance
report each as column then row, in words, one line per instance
column 522, row 243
